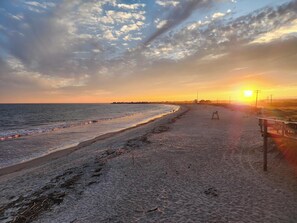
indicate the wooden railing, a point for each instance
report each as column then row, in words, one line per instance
column 275, row 129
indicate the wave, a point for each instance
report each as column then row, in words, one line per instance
column 38, row 142
column 15, row 134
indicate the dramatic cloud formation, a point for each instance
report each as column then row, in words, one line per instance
column 92, row 51
column 181, row 12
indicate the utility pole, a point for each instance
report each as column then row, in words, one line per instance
column 271, row 99
column 257, row 94
column 197, row 97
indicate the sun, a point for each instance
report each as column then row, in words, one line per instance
column 248, row 93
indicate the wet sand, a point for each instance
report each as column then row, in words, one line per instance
column 187, row 168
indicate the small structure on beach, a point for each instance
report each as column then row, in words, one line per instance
column 215, row 116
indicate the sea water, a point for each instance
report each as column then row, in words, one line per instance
column 28, row 131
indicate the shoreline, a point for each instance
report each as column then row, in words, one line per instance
column 9, row 135
column 64, row 152
column 183, row 167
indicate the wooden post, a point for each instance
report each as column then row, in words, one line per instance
column 261, row 125
column 265, row 137
column 256, row 105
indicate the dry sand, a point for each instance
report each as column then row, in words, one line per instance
column 184, row 169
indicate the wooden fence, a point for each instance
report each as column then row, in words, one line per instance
column 274, row 128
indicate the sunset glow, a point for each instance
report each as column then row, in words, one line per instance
column 248, row 93
column 104, row 51
column 148, row 110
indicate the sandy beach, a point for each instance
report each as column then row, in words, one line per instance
column 184, row 167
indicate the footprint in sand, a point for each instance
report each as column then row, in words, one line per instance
column 211, row 191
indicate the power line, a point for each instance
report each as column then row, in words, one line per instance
column 197, row 96
column 257, row 94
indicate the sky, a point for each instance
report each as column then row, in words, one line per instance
column 85, row 51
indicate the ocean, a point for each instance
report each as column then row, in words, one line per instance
column 28, row 131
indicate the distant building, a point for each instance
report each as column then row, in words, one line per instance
column 205, row 101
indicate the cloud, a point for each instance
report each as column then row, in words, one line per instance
column 130, row 6
column 4, row 68
column 38, row 7
column 121, row 17
column 16, row 17
column 167, row 3
column 196, row 25
column 266, row 64
column 129, row 37
column 84, row 45
column 212, row 57
column 178, row 14
column 217, row 15
column 51, row 43
column 109, row 35
column 43, row 5
column 160, row 24
column 284, row 31
column 209, row 37
column 131, row 27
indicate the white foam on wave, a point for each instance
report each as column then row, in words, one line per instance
column 47, row 139
column 14, row 134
